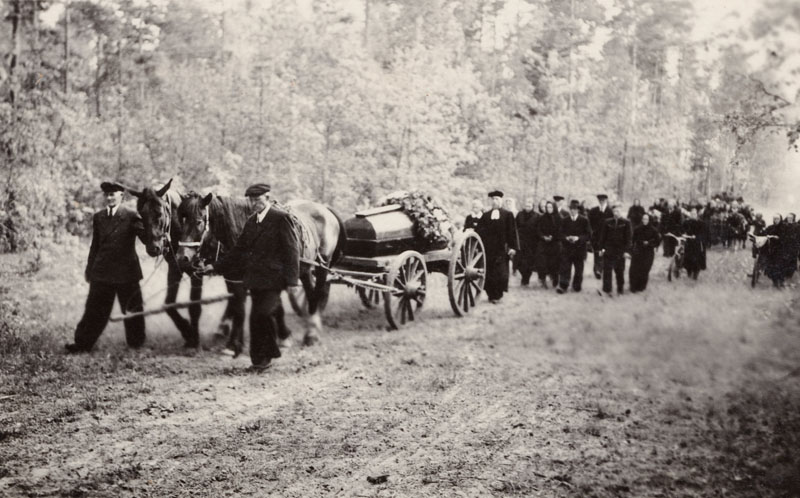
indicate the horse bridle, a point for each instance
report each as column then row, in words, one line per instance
column 200, row 242
column 197, row 245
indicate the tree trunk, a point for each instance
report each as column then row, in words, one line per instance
column 570, row 103
column 16, row 42
column 621, row 178
column 99, row 48
column 260, row 113
column 366, row 24
column 66, row 47
column 119, row 108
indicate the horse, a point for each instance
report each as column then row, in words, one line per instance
column 321, row 234
column 162, row 232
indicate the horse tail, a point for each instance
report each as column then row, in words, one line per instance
column 338, row 252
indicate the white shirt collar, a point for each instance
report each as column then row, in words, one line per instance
column 261, row 214
column 113, row 210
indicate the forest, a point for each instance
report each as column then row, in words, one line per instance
column 345, row 101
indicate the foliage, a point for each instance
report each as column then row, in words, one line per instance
column 432, row 226
column 342, row 106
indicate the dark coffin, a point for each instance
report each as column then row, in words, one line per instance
column 382, row 231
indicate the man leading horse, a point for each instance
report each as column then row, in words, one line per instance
column 267, row 255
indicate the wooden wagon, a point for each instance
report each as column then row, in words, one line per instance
column 384, row 261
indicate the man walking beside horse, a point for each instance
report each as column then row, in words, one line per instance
column 112, row 271
column 267, row 254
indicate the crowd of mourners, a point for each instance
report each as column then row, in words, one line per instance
column 552, row 239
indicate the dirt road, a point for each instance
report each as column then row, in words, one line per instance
column 690, row 389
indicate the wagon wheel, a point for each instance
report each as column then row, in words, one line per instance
column 370, row 298
column 467, row 273
column 408, row 275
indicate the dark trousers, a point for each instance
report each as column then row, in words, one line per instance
column 597, row 266
column 570, row 260
column 263, row 325
column 526, row 275
column 669, row 247
column 98, row 309
column 613, row 263
column 639, row 273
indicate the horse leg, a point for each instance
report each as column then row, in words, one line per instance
column 173, row 285
column 224, row 333
column 195, row 294
column 313, row 322
column 235, row 312
column 317, row 303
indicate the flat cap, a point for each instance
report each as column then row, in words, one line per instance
column 558, row 198
column 109, row 187
column 602, row 197
column 257, row 189
column 574, row 204
column 495, row 193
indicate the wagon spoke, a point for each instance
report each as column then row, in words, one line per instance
column 401, row 310
column 476, row 287
column 470, row 294
column 462, row 297
column 410, row 310
column 475, row 259
column 459, row 276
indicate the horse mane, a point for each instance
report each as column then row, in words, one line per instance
column 227, row 216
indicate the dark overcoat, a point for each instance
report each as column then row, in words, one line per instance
column 267, row 254
column 526, row 227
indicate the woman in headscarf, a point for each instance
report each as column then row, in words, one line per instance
column 645, row 240
column 694, row 256
column 542, row 206
column 548, row 249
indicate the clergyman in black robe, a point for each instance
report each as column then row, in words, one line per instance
column 499, row 234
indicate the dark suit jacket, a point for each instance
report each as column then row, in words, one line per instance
column 267, row 253
column 579, row 228
column 615, row 237
column 498, row 235
column 112, row 255
column 596, row 219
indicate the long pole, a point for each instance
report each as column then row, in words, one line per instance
column 172, row 306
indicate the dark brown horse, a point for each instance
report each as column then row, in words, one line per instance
column 219, row 223
column 159, row 212
column 218, row 220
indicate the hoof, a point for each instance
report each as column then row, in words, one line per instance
column 224, row 329
column 191, row 344
column 310, row 340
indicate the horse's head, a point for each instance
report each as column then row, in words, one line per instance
column 156, row 212
column 193, row 213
